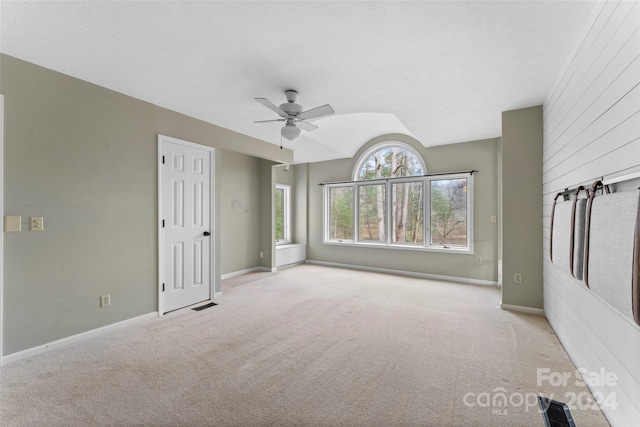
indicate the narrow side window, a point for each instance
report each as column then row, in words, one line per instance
column 283, row 214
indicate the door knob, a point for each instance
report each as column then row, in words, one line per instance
column 206, row 233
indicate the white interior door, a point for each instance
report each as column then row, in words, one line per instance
column 185, row 219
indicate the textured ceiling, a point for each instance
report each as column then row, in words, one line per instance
column 442, row 72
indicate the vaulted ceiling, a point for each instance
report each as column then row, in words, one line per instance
column 440, row 71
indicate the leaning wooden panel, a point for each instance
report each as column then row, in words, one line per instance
column 610, row 264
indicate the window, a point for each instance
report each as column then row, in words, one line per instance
column 408, row 212
column 449, row 212
column 389, row 161
column 340, row 206
column 283, row 214
column 393, row 203
column 372, row 213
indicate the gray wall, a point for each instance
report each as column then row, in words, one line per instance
column 284, row 176
column 301, row 189
column 478, row 155
column 240, row 211
column 84, row 157
column 592, row 130
column 522, row 206
column 267, row 214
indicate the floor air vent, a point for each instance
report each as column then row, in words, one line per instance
column 555, row 414
column 202, row 307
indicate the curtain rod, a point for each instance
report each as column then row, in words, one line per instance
column 399, row 177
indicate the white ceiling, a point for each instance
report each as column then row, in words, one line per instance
column 442, row 72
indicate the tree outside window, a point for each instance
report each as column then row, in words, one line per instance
column 407, row 212
column 391, row 161
column 371, row 209
column 449, row 212
column 340, row 224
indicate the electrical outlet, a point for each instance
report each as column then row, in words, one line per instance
column 494, row 218
column 517, row 278
column 479, row 260
column 105, row 300
column 37, row 223
column 261, row 254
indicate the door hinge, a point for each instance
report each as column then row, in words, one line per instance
column 163, row 287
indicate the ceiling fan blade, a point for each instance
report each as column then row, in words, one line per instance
column 306, row 125
column 270, row 105
column 269, row 121
column 323, row 110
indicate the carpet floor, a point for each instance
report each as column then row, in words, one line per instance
column 307, row 346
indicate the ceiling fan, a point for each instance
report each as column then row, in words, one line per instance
column 293, row 116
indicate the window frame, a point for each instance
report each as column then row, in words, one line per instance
column 425, row 181
column 356, row 208
column 286, row 214
column 468, row 249
column 327, row 214
column 425, row 232
column 387, row 144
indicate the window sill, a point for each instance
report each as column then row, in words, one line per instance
column 448, row 250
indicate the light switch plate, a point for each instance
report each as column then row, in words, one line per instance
column 37, row 223
column 12, row 223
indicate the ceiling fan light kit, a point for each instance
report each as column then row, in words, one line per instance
column 290, row 131
column 293, row 115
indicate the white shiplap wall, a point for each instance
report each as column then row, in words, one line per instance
column 592, row 130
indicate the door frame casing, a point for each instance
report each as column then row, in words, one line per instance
column 212, row 192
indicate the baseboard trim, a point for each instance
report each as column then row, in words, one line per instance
column 34, row 351
column 245, row 271
column 405, row 273
column 522, row 309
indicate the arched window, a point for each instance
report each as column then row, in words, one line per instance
column 389, row 160
column 392, row 202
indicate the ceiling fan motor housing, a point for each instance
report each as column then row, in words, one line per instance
column 291, row 108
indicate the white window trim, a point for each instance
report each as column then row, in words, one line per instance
column 286, row 214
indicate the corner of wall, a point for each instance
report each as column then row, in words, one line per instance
column 522, row 207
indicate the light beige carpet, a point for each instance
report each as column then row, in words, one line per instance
column 307, row 346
